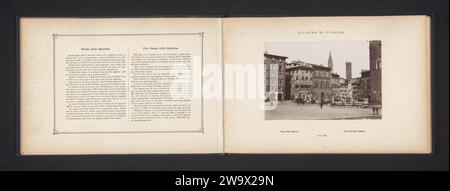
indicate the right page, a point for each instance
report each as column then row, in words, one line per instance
column 327, row 85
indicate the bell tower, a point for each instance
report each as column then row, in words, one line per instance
column 330, row 61
column 348, row 71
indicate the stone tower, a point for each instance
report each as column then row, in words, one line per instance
column 375, row 72
column 330, row 61
column 348, row 71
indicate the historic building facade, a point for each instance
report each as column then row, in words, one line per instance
column 361, row 86
column 301, row 80
column 309, row 81
column 321, row 83
column 313, row 82
column 274, row 76
column 375, row 72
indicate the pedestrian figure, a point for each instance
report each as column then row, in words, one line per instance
column 374, row 108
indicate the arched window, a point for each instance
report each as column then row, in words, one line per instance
column 378, row 63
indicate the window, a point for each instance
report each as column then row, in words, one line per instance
column 378, row 63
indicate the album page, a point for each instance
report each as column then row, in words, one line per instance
column 119, row 86
column 327, row 84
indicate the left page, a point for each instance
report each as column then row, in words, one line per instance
column 118, row 86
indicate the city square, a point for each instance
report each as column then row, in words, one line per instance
column 288, row 110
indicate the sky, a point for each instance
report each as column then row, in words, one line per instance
column 317, row 52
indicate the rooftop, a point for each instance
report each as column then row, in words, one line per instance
column 301, row 67
column 273, row 55
column 299, row 63
column 321, row 67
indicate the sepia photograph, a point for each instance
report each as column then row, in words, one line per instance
column 323, row 80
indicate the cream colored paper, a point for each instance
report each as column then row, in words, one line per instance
column 228, row 125
column 46, row 43
column 405, row 126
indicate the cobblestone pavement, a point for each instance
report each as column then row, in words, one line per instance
column 291, row 110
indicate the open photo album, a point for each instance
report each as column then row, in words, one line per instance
column 225, row 85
